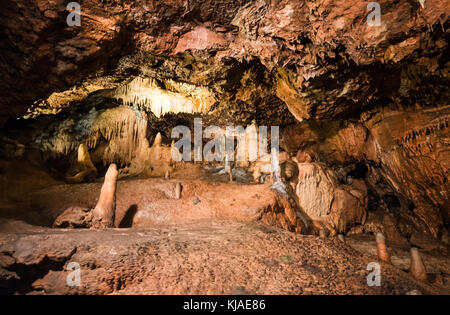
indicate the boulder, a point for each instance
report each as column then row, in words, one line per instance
column 346, row 210
column 323, row 199
column 74, row 217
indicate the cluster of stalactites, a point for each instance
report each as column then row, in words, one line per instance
column 124, row 132
column 171, row 97
column 61, row 142
column 432, row 128
column 122, row 128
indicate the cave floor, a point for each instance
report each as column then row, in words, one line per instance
column 211, row 241
column 208, row 257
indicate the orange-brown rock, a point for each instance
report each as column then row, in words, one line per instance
column 323, row 199
column 417, row 267
column 363, row 113
column 74, row 217
column 415, row 154
column 382, row 250
column 104, row 213
column 203, row 257
column 322, row 51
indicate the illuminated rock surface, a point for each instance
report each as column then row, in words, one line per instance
column 363, row 113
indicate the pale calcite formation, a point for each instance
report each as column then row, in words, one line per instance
column 417, row 267
column 84, row 166
column 104, row 213
column 314, row 189
column 328, row 203
column 173, row 97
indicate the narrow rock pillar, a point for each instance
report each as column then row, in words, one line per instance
column 105, row 211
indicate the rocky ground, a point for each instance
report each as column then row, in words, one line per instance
column 219, row 257
column 213, row 240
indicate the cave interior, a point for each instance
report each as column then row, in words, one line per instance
column 343, row 147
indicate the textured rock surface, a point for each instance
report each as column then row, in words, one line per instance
column 74, row 217
column 211, row 258
column 363, row 110
column 435, row 260
column 315, row 189
column 338, row 207
column 152, row 203
column 327, row 59
column 405, row 156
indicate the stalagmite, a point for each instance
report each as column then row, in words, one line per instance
column 413, row 292
column 178, row 191
column 158, row 140
column 381, row 248
column 84, row 166
column 84, row 157
column 323, row 233
column 227, row 167
column 277, row 183
column 167, row 175
column 417, row 267
column 104, row 212
column 341, row 238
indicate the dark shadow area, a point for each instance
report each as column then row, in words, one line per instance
column 127, row 219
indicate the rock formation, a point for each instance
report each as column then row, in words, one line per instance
column 276, row 63
column 104, row 212
column 74, row 217
column 382, row 249
column 338, row 207
column 417, row 267
column 84, row 167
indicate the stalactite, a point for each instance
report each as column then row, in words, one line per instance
column 431, row 128
column 122, row 127
column 175, row 98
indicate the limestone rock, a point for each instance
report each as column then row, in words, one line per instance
column 84, row 167
column 346, row 210
column 417, row 268
column 392, row 233
column 303, row 157
column 74, row 217
column 323, row 199
column 315, row 189
column 104, row 213
column 424, row 241
column 289, row 170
